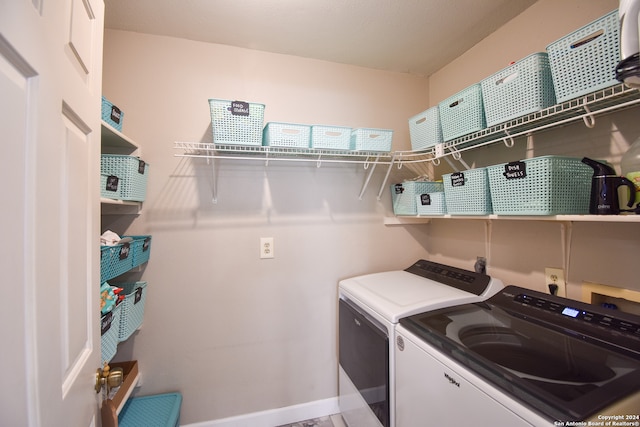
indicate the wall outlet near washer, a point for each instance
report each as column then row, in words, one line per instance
column 555, row 276
column 266, row 248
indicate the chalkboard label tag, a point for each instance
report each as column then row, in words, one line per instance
column 112, row 183
column 425, row 199
column 399, row 189
column 457, row 179
column 515, row 170
column 146, row 244
column 141, row 165
column 107, row 319
column 138, row 296
column 124, row 251
column 239, row 108
column 116, row 114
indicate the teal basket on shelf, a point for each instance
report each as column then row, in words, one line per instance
column 425, row 130
column 287, row 135
column 112, row 114
column 132, row 308
column 236, row 122
column 519, row 89
column 160, row 410
column 367, row 139
column 462, row 113
column 467, row 192
column 115, row 260
column 330, row 137
column 141, row 249
column 547, row 185
column 131, row 172
column 110, row 333
column 431, row 204
column 403, row 195
column 585, row 60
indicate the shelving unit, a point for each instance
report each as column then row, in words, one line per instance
column 585, row 108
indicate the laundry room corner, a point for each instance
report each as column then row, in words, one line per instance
column 237, row 334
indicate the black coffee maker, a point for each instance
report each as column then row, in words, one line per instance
column 604, row 189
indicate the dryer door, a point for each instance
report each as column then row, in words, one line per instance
column 364, row 357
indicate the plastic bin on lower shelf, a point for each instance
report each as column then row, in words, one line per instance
column 141, row 249
column 467, row 192
column 158, row 410
column 132, row 308
column 431, row 203
column 110, row 332
column 115, row 260
column 546, row 185
column 403, row 195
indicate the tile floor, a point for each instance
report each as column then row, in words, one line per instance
column 330, row 421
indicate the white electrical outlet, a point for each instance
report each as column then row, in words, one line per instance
column 555, row 276
column 266, row 247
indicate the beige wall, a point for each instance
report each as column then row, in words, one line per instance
column 234, row 333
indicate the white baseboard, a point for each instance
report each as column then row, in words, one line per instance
column 277, row 417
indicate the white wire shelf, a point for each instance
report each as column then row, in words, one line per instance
column 268, row 153
column 584, row 108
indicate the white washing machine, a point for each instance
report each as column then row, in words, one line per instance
column 370, row 307
column 520, row 358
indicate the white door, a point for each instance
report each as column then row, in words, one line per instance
column 50, row 90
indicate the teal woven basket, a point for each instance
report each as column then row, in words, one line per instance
column 585, row 60
column 132, row 173
column 425, row 130
column 132, row 308
column 522, row 88
column 547, row 185
column 467, row 192
column 236, row 122
column 289, row 135
column 403, row 195
column 110, row 333
column 141, row 249
column 115, row 260
column 367, row 139
column 331, row 137
column 462, row 113
column 112, row 114
column 160, row 410
column 431, row 204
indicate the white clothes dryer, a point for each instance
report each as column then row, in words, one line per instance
column 370, row 307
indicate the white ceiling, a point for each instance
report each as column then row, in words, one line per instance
column 412, row 36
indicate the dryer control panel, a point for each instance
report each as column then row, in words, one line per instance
column 469, row 281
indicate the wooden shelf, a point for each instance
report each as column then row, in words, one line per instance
column 115, row 142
